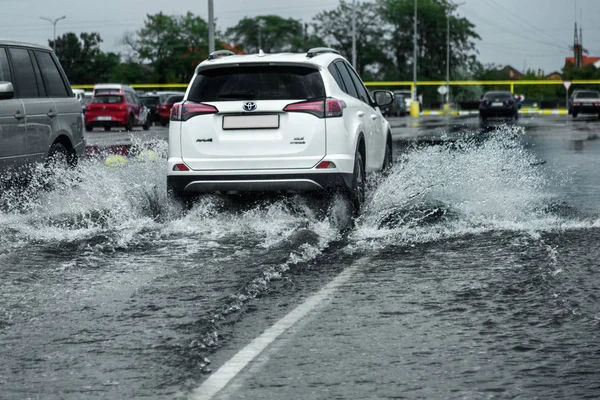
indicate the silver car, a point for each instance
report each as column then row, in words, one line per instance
column 40, row 118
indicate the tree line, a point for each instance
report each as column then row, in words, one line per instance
column 167, row 48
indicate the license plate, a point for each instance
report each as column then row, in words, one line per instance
column 251, row 121
column 587, row 104
column 497, row 104
column 104, row 118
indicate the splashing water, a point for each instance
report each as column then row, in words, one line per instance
column 467, row 187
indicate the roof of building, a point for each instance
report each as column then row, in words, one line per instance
column 586, row 60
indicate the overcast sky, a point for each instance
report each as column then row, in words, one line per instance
column 522, row 33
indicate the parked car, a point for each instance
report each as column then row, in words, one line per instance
column 398, row 107
column 585, row 102
column 153, row 100
column 164, row 108
column 302, row 122
column 112, row 88
column 498, row 104
column 40, row 118
column 116, row 110
column 85, row 100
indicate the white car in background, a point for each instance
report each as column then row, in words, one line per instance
column 277, row 122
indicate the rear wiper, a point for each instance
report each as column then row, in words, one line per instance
column 238, row 95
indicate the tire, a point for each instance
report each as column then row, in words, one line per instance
column 516, row 117
column 89, row 128
column 574, row 114
column 359, row 183
column 107, row 128
column 60, row 156
column 129, row 126
column 388, row 160
column 482, row 117
column 164, row 122
column 147, row 123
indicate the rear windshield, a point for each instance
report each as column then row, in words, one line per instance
column 499, row 95
column 149, row 101
column 257, row 83
column 174, row 99
column 108, row 90
column 588, row 95
column 107, row 99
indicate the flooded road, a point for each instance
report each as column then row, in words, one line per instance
column 475, row 276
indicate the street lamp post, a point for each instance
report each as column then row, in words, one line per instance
column 211, row 27
column 414, row 95
column 354, row 34
column 53, row 22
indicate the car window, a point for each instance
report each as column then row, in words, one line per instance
column 26, row 85
column 347, row 79
column 589, row 95
column 257, row 83
column 38, row 76
column 4, row 69
column 53, row 81
column 363, row 94
column 336, row 75
column 174, row 99
column 499, row 95
column 107, row 99
column 149, row 101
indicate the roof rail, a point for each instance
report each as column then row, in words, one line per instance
column 220, row 53
column 315, row 51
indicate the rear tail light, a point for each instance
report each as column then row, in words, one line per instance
column 327, row 108
column 577, row 103
column 510, row 102
column 122, row 108
column 325, row 165
column 185, row 111
column 484, row 102
column 180, row 167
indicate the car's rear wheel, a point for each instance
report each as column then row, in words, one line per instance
column 387, row 157
column 359, row 183
column 89, row 128
column 60, row 157
column 147, row 123
column 107, row 128
column 574, row 114
column 129, row 126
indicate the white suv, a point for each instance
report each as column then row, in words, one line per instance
column 277, row 122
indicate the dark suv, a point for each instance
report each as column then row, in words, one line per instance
column 40, row 117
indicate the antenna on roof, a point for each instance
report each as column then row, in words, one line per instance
column 261, row 53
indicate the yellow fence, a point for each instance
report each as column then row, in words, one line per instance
column 509, row 83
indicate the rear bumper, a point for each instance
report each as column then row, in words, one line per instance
column 585, row 110
column 286, row 182
column 497, row 112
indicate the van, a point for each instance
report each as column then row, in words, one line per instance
column 112, row 88
column 40, row 118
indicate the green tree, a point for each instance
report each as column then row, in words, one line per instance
column 173, row 44
column 334, row 27
column 82, row 59
column 432, row 18
column 273, row 33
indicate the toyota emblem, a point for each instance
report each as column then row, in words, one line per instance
column 249, row 106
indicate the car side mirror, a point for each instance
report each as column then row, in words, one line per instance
column 383, row 97
column 6, row 90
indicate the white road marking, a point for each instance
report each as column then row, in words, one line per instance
column 220, row 378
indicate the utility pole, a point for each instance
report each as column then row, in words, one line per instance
column 53, row 22
column 354, row 33
column 211, row 27
column 414, row 94
column 448, row 53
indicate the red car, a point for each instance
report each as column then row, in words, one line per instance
column 116, row 109
column 164, row 110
